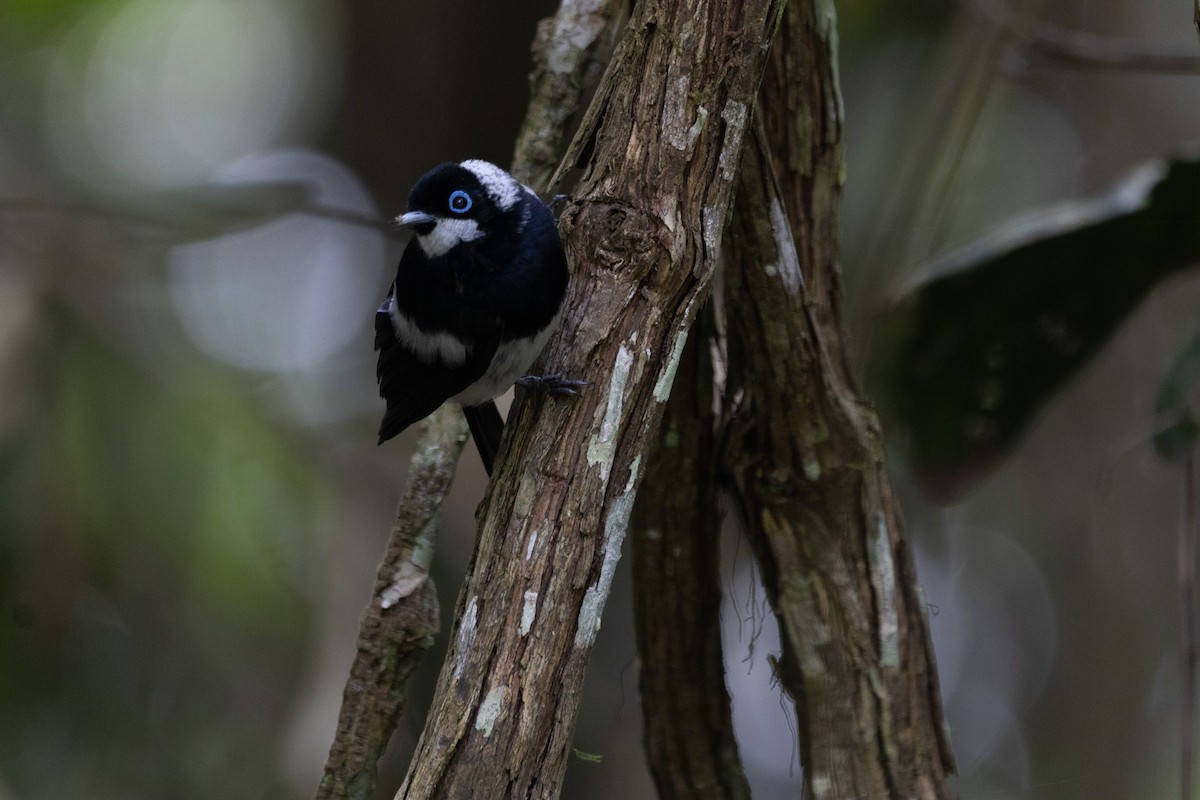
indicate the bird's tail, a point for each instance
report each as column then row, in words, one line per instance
column 487, row 428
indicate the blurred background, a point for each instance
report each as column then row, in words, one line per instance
column 191, row 501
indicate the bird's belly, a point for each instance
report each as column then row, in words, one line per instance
column 511, row 361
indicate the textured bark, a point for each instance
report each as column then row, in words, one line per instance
column 569, row 53
column 806, row 458
column 661, row 151
column 399, row 623
column 676, row 533
column 662, row 141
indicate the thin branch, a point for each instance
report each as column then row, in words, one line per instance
column 401, row 620
column 1082, row 49
column 202, row 214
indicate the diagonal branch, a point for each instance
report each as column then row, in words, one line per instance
column 1082, row 49
column 1186, row 555
column 399, row 623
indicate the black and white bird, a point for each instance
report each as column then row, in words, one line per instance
column 479, row 290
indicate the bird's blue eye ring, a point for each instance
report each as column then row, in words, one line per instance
column 460, row 202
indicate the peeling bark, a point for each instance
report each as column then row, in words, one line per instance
column 398, row 625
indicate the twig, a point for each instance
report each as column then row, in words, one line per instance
column 194, row 218
column 1085, row 50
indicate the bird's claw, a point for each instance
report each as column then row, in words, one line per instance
column 558, row 203
column 552, row 384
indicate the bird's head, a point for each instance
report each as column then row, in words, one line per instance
column 456, row 203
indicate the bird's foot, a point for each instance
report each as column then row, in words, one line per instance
column 558, row 203
column 552, row 384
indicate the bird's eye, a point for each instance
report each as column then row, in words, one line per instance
column 460, row 202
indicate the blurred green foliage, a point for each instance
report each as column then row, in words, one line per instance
column 171, row 528
column 157, row 540
column 26, row 23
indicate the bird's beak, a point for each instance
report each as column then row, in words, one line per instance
column 418, row 220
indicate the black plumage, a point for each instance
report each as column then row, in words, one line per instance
column 478, row 291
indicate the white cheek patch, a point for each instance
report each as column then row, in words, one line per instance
column 446, row 234
column 429, row 347
column 500, row 186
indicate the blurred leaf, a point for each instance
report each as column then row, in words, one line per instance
column 999, row 326
column 1177, row 429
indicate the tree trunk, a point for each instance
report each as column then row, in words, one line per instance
column 806, row 457
column 663, row 138
column 676, row 536
column 661, row 149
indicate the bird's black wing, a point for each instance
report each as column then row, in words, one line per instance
column 412, row 388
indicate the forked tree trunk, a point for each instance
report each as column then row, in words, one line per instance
column 805, row 455
column 671, row 138
column 802, row 457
